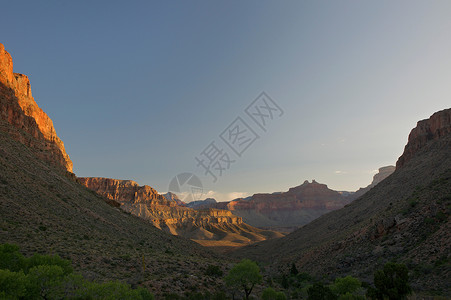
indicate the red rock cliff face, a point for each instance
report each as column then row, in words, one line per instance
column 145, row 202
column 124, row 191
column 288, row 210
column 306, row 196
column 436, row 127
column 20, row 110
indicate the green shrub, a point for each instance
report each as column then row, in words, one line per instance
column 12, row 284
column 349, row 296
column 10, row 258
column 111, row 290
column 51, row 277
column 320, row 292
column 50, row 260
column 346, row 285
column 392, row 282
column 214, row 271
column 271, row 294
column 45, row 281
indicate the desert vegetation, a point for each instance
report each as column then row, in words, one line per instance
column 52, row 277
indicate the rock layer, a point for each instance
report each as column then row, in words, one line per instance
column 166, row 213
column 19, row 109
column 286, row 211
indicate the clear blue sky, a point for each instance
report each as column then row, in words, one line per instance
column 137, row 89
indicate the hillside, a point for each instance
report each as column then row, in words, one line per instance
column 43, row 209
column 210, row 227
column 403, row 218
column 287, row 211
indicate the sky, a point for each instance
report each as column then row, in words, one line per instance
column 140, row 89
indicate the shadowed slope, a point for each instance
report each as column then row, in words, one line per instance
column 405, row 217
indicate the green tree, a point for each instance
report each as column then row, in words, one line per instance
column 46, row 282
column 51, row 277
column 320, row 292
column 349, row 296
column 50, row 260
column 12, row 284
column 10, row 258
column 271, row 294
column 244, row 275
column 345, row 285
column 392, row 282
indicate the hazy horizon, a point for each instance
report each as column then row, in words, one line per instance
column 138, row 91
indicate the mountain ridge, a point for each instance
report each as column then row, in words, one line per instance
column 406, row 218
column 212, row 227
column 286, row 211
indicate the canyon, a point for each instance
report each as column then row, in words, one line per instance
column 46, row 211
column 287, row 211
column 118, row 230
column 212, row 227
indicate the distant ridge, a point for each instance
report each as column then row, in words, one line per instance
column 211, row 227
column 406, row 218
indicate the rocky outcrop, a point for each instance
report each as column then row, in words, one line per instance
column 287, row 211
column 146, row 202
column 125, row 191
column 199, row 204
column 173, row 197
column 434, row 128
column 383, row 173
column 20, row 110
column 167, row 212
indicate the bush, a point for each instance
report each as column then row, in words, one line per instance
column 346, row 285
column 111, row 290
column 320, row 292
column 51, row 277
column 214, row 271
column 271, row 294
column 46, row 282
column 392, row 282
column 12, row 284
column 349, row 296
column 50, row 260
column 10, row 258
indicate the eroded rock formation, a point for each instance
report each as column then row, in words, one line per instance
column 383, row 173
column 167, row 212
column 19, row 109
column 287, row 211
column 434, row 128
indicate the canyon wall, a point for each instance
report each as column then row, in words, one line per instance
column 434, row 128
column 19, row 109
